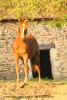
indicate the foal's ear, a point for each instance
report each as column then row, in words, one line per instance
column 21, row 19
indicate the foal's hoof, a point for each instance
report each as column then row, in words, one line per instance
column 25, row 81
column 18, row 80
column 40, row 80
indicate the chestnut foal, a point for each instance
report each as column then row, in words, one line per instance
column 26, row 47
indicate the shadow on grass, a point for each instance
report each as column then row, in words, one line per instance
column 29, row 96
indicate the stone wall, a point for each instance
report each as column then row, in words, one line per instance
column 44, row 36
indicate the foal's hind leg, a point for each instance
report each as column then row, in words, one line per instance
column 37, row 66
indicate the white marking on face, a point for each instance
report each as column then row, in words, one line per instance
column 23, row 31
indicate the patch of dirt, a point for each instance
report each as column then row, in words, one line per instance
column 33, row 91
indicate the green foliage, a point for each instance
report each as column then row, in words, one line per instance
column 59, row 23
column 34, row 8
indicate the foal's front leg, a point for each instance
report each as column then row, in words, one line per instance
column 17, row 67
column 25, row 58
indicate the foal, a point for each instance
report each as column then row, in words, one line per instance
column 26, row 47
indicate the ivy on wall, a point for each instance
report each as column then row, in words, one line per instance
column 33, row 8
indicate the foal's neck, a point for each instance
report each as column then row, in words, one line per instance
column 20, row 32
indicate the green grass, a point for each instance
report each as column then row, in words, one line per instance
column 47, row 81
column 35, row 81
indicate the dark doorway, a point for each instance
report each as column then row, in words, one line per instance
column 45, row 64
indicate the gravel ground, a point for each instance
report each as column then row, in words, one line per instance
column 33, row 91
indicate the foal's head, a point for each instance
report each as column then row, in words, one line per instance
column 23, row 24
